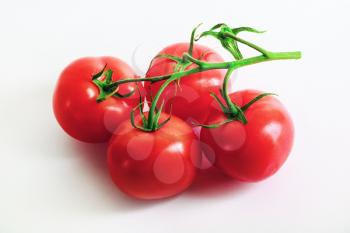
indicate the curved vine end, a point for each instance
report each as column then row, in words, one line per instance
column 193, row 34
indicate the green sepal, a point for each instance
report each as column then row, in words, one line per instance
column 124, row 95
column 228, row 43
column 140, row 106
column 157, row 116
column 219, row 25
column 157, row 125
column 132, row 119
column 103, row 94
column 163, row 123
column 151, row 100
column 214, row 126
column 106, row 86
column 240, row 116
column 250, row 103
column 221, row 104
column 108, row 75
column 208, row 33
column 104, row 91
column 249, row 44
column 231, row 45
column 99, row 74
column 168, row 56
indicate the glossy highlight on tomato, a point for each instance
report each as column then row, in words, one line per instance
column 188, row 99
column 74, row 100
column 254, row 151
column 153, row 165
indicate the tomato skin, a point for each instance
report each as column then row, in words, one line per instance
column 193, row 95
column 153, row 165
column 74, row 100
column 254, row 151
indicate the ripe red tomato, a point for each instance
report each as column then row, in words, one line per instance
column 193, row 95
column 254, row 151
column 75, row 105
column 153, row 165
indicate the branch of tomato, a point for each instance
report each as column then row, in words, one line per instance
column 228, row 38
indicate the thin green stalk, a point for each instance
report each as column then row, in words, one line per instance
column 228, row 38
column 173, row 77
column 233, row 109
column 271, row 57
column 204, row 66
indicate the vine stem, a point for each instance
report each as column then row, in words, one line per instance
column 172, row 78
column 228, row 101
column 204, row 66
column 230, row 66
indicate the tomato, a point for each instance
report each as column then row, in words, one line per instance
column 74, row 101
column 254, row 151
column 153, row 165
column 190, row 100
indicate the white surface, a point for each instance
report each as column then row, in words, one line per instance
column 51, row 183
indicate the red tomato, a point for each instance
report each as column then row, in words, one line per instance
column 193, row 96
column 153, row 165
column 254, row 151
column 75, row 105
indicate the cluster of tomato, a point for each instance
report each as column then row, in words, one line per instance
column 162, row 161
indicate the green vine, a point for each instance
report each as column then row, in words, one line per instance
column 230, row 41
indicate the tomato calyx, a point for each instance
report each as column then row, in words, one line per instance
column 105, row 85
column 239, row 116
column 146, row 126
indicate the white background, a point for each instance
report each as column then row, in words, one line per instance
column 52, row 183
